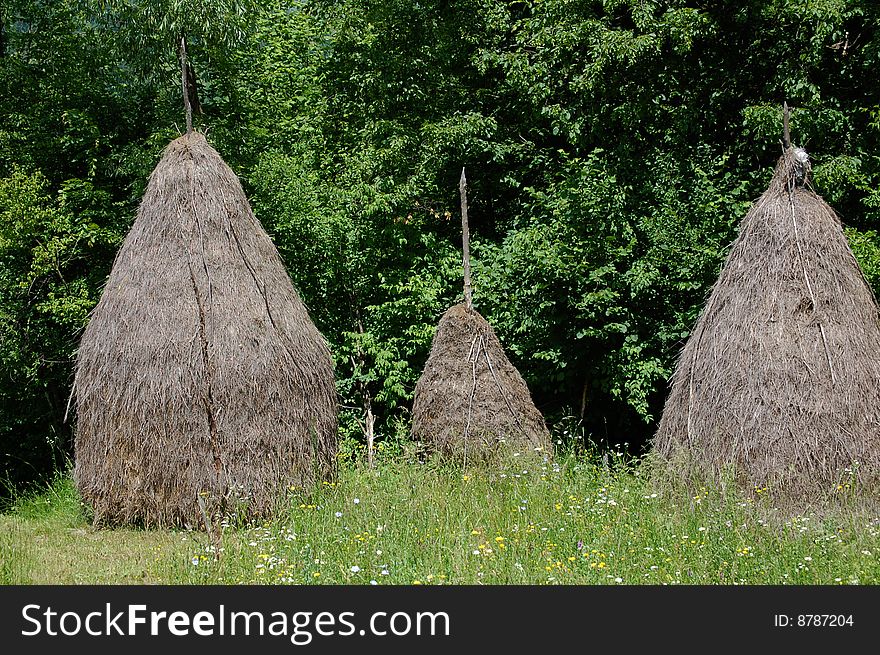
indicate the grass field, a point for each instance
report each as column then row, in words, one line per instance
column 577, row 521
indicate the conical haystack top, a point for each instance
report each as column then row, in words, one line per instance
column 200, row 373
column 780, row 378
column 470, row 400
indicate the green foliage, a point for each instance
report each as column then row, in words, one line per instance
column 866, row 247
column 47, row 288
column 611, row 149
column 219, row 21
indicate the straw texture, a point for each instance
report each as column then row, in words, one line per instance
column 780, row 378
column 470, row 400
column 200, row 373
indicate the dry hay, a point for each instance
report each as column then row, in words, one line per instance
column 200, row 373
column 779, row 382
column 470, row 399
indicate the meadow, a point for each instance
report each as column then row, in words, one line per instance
column 579, row 519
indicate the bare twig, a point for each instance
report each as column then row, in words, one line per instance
column 370, row 421
column 501, row 389
column 214, row 530
column 69, row 401
column 473, row 357
column 369, row 418
column 584, row 391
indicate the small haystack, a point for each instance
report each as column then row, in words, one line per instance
column 470, row 399
column 780, row 379
column 201, row 383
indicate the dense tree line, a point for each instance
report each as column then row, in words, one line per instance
column 611, row 148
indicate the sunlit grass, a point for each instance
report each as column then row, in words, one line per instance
column 577, row 521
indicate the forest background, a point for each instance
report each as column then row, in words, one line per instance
column 611, row 149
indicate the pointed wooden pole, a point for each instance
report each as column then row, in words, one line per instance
column 786, row 133
column 187, row 106
column 465, row 242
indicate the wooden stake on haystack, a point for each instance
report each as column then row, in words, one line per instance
column 189, row 86
column 187, row 105
column 465, row 241
column 786, row 133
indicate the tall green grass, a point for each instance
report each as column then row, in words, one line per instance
column 578, row 521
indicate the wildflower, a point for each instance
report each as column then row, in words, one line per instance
column 355, row 569
column 195, row 561
column 338, row 515
column 373, row 582
column 357, row 501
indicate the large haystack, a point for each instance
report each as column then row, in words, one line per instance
column 470, row 399
column 780, row 379
column 200, row 372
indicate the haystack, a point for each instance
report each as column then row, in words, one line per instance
column 470, row 401
column 200, row 374
column 780, row 379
